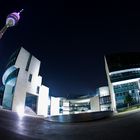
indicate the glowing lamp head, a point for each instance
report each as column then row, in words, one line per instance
column 12, row 19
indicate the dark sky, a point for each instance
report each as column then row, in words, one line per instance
column 71, row 39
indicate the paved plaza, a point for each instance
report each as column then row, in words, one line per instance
column 124, row 126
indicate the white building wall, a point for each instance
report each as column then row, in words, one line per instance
column 20, row 92
column 104, row 91
column 22, row 59
column 66, row 107
column 24, row 86
column 43, row 101
column 94, row 104
column 55, row 106
column 125, row 81
column 111, row 90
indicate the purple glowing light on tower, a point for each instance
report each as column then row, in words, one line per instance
column 11, row 20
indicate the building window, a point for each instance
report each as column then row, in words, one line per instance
column 30, row 78
column 28, row 62
column 37, row 90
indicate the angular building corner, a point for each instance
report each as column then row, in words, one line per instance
column 111, row 91
column 24, row 91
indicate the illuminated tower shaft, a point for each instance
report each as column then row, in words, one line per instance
column 3, row 30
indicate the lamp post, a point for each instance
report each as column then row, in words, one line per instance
column 11, row 20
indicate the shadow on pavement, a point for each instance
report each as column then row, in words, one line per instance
column 81, row 117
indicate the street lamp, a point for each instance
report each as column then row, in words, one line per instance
column 11, row 20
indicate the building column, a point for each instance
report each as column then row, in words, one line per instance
column 111, row 90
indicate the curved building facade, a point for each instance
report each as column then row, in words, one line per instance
column 61, row 105
column 9, row 80
column 99, row 102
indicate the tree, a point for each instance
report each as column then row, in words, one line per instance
column 128, row 99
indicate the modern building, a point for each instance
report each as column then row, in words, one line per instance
column 60, row 105
column 99, row 102
column 23, row 85
column 104, row 98
column 123, row 74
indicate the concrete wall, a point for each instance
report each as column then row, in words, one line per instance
column 43, row 101
column 94, row 104
column 111, row 90
column 104, row 91
column 66, row 107
column 55, row 106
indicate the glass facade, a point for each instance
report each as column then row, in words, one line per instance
column 12, row 75
column 8, row 97
column 125, row 76
column 79, row 107
column 105, row 103
column 31, row 101
column 124, row 72
column 105, row 100
column 123, row 89
column 10, row 81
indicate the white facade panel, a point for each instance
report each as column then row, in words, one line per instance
column 55, row 106
column 22, row 59
column 104, row 91
column 43, row 101
column 94, row 104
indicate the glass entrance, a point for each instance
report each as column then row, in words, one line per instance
column 31, row 102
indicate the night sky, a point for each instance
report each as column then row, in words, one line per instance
column 71, row 38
